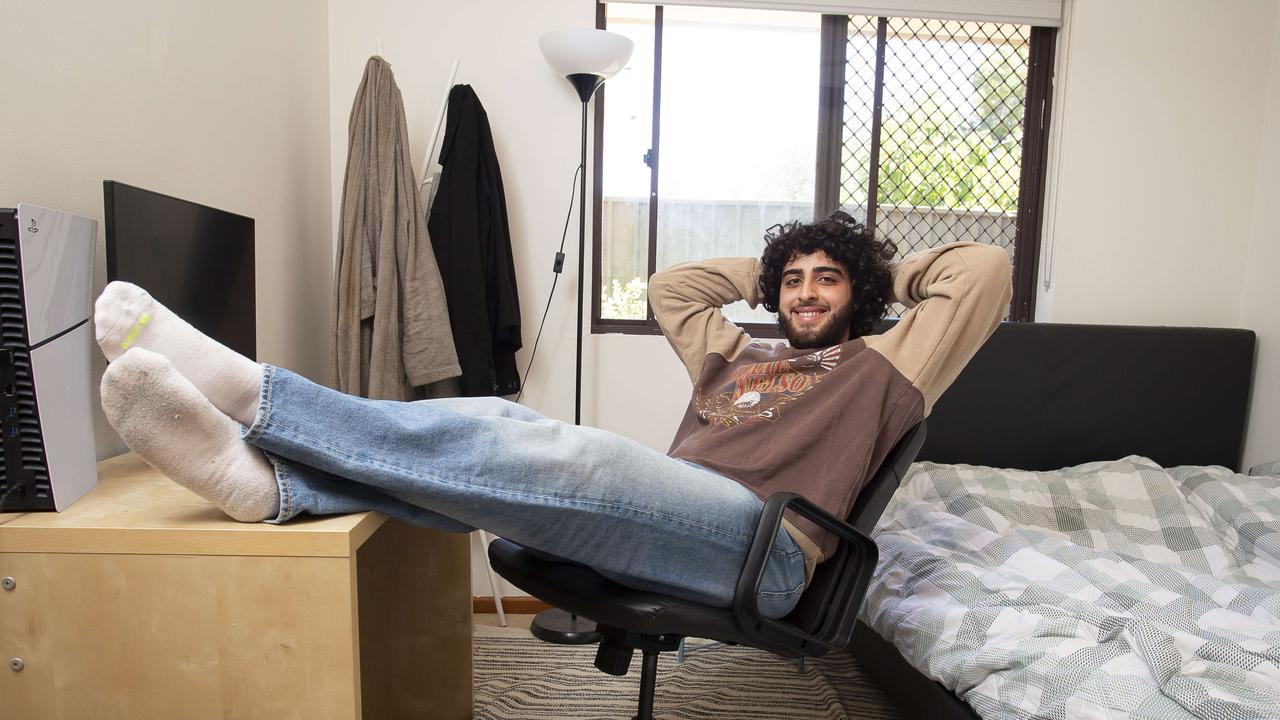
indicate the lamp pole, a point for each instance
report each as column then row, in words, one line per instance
column 582, row 255
column 556, row 625
column 586, row 85
column 585, row 58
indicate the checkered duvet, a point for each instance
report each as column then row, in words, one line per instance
column 1108, row 590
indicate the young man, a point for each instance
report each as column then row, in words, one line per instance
column 812, row 419
column 817, row 417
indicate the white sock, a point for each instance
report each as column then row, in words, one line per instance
column 167, row 422
column 126, row 316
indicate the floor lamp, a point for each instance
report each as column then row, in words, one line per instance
column 586, row 58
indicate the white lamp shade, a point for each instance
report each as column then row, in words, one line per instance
column 586, row 51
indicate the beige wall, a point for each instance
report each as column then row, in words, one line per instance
column 223, row 103
column 1260, row 304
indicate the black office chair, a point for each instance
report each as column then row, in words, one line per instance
column 629, row 620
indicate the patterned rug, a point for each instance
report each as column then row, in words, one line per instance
column 521, row 678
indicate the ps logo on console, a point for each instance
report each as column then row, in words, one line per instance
column 33, row 227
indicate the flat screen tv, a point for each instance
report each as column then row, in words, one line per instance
column 196, row 260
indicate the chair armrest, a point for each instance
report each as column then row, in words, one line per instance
column 839, row 618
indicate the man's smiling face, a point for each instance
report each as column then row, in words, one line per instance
column 815, row 301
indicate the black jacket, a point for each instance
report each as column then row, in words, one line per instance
column 472, row 242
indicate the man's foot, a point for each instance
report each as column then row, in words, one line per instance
column 168, row 423
column 125, row 316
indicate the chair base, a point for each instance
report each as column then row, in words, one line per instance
column 614, row 657
column 559, row 627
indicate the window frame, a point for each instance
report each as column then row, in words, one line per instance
column 834, row 29
column 649, row 325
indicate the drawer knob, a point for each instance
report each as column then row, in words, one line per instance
column 15, row 664
column 8, row 583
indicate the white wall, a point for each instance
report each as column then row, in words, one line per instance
column 631, row 385
column 1157, row 161
column 534, row 115
column 1163, row 179
column 1261, row 298
column 221, row 103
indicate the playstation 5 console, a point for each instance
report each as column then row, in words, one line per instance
column 46, row 342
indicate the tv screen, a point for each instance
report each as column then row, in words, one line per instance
column 196, row 260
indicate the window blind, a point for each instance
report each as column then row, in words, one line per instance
column 1044, row 13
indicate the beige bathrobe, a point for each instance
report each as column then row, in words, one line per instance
column 391, row 323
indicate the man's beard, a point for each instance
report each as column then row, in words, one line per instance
column 832, row 332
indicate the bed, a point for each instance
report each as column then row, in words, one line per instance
column 1076, row 539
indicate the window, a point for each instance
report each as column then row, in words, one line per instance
column 728, row 121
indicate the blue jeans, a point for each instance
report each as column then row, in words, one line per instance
column 633, row 514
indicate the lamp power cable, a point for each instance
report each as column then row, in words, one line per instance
column 557, row 267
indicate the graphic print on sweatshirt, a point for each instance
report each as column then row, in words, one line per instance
column 760, row 391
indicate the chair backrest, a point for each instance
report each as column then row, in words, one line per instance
column 815, row 603
column 875, row 496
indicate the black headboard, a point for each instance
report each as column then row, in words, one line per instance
column 1042, row 396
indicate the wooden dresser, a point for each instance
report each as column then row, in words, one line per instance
column 144, row 601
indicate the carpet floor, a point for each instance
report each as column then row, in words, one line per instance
column 521, row 678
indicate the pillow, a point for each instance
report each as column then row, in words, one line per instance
column 1271, row 469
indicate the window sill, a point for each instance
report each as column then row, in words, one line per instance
column 763, row 331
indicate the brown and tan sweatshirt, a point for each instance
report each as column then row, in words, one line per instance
column 817, row 422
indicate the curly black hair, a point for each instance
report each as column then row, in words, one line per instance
column 844, row 240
